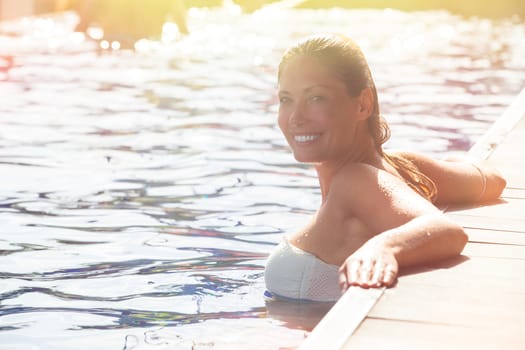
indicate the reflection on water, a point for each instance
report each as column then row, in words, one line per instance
column 141, row 192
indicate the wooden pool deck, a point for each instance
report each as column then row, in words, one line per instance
column 475, row 302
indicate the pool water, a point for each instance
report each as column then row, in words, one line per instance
column 141, row 191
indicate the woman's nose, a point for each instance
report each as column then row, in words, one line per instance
column 297, row 117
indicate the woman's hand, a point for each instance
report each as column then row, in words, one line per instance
column 371, row 266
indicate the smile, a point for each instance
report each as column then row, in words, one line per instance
column 305, row 138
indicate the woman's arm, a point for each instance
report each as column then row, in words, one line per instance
column 421, row 240
column 408, row 229
column 460, row 180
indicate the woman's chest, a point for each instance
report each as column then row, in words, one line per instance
column 332, row 238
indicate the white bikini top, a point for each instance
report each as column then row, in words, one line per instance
column 292, row 273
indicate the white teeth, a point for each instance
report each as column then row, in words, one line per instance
column 305, row 138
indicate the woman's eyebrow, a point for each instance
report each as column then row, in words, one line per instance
column 307, row 89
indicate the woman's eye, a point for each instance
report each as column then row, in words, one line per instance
column 283, row 100
column 316, row 98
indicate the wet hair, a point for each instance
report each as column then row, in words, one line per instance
column 345, row 58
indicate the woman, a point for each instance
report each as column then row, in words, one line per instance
column 378, row 211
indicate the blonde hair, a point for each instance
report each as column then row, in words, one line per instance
column 345, row 57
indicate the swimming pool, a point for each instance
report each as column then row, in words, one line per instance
column 141, row 192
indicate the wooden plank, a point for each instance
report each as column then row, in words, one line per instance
column 488, row 223
column 508, row 155
column 495, row 250
column 510, row 192
column 509, row 208
column 454, row 305
column 510, row 122
column 495, row 236
column 517, row 132
column 508, row 158
column 399, row 335
column 481, row 272
column 514, row 176
column 511, row 162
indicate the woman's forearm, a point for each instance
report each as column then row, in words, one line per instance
column 423, row 239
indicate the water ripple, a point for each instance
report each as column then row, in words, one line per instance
column 128, row 318
column 217, row 259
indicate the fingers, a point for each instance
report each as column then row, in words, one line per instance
column 355, row 268
column 378, row 276
column 367, row 274
column 349, row 274
column 390, row 275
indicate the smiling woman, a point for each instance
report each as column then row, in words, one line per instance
column 377, row 212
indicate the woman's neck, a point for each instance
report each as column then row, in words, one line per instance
column 327, row 170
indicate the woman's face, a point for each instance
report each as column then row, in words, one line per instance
column 316, row 114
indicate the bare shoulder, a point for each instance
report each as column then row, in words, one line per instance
column 377, row 198
column 359, row 182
